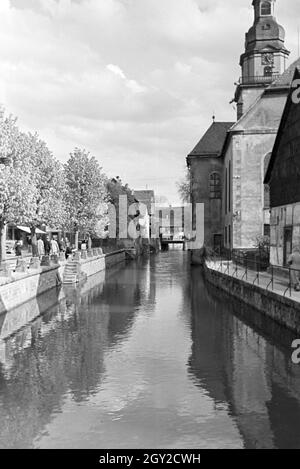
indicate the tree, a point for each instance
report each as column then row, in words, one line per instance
column 17, row 193
column 115, row 189
column 184, row 188
column 47, row 176
column 162, row 200
column 86, row 194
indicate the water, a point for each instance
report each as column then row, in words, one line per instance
column 145, row 356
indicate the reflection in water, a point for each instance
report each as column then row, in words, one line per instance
column 145, row 355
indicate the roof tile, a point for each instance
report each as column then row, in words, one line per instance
column 213, row 140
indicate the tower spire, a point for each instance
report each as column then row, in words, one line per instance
column 265, row 54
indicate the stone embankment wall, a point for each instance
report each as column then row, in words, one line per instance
column 22, row 287
column 282, row 310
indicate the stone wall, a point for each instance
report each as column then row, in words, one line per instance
column 26, row 286
column 201, row 169
column 284, row 311
column 252, row 139
column 114, row 258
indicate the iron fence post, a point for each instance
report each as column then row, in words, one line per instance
column 272, row 273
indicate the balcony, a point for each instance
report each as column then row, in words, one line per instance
column 259, row 79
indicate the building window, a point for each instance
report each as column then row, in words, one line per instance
column 266, row 186
column 215, row 186
column 266, row 9
column 267, row 230
column 229, row 187
column 172, row 222
column 229, row 235
column 225, row 235
column 226, row 189
column 266, row 27
column 268, row 71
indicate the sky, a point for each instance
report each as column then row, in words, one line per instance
column 135, row 82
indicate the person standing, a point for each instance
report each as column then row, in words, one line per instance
column 68, row 250
column 47, row 246
column 41, row 248
column 18, row 249
column 62, row 245
column 54, row 247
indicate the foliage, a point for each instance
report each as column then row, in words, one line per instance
column 17, row 193
column 184, row 188
column 263, row 245
column 115, row 189
column 48, row 179
column 36, row 189
column 86, row 194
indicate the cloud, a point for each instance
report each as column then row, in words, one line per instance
column 134, row 81
column 131, row 84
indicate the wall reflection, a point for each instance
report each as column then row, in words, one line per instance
column 152, row 348
column 242, row 367
column 60, row 351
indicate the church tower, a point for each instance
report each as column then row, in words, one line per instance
column 264, row 58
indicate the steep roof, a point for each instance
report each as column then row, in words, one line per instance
column 286, row 78
column 145, row 197
column 213, row 140
column 280, row 132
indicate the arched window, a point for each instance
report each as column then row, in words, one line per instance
column 215, row 186
column 266, row 9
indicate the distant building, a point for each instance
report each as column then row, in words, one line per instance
column 170, row 222
column 283, row 176
column 146, row 197
column 146, row 200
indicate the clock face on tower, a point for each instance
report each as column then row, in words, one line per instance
column 267, row 59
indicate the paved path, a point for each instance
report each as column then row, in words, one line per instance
column 263, row 279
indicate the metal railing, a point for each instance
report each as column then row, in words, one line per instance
column 258, row 79
column 271, row 277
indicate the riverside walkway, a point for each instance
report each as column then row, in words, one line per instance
column 270, row 280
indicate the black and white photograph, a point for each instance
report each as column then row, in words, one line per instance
column 149, row 228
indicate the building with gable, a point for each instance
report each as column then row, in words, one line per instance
column 241, row 214
column 206, row 175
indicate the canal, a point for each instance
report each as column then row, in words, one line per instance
column 145, row 356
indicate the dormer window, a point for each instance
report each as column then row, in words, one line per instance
column 266, row 9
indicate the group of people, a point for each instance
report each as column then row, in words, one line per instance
column 53, row 246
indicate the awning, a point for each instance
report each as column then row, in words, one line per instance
column 27, row 230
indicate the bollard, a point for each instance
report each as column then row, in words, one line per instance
column 95, row 252
column 6, row 270
column 21, row 266
column 77, row 256
column 83, row 255
column 62, row 257
column 89, row 253
column 53, row 259
column 35, row 263
column 45, row 262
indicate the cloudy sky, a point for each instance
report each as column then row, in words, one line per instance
column 135, row 82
